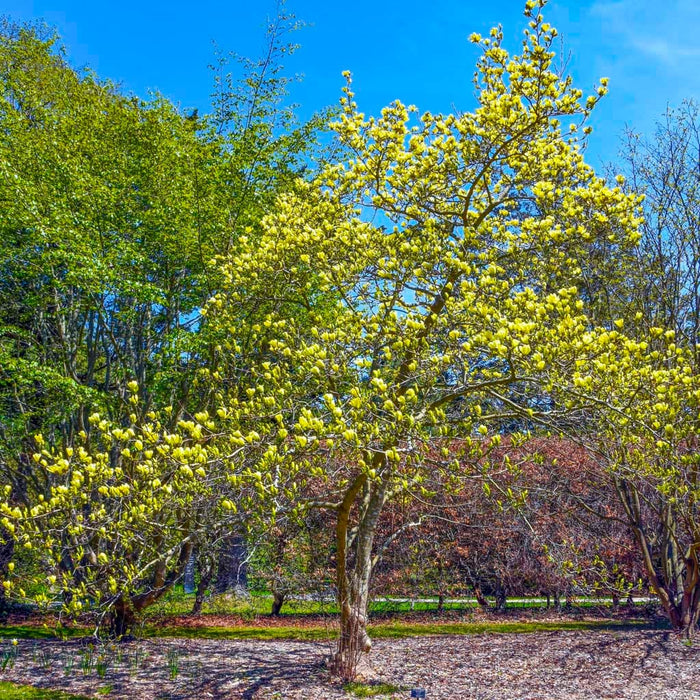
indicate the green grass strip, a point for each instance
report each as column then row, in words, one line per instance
column 399, row 630
column 395, row 630
column 384, row 630
column 32, row 632
column 369, row 690
column 263, row 633
column 11, row 691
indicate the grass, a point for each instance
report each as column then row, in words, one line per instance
column 11, row 691
column 386, row 630
column 369, row 690
column 44, row 632
column 393, row 630
column 300, row 629
column 399, row 630
column 260, row 603
column 244, row 632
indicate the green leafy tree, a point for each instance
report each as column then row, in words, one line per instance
column 112, row 210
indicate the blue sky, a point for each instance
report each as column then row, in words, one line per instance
column 415, row 51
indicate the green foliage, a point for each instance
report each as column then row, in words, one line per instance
column 113, row 210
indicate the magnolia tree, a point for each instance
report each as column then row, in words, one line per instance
column 123, row 510
column 433, row 280
column 640, row 404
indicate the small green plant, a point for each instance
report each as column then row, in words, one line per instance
column 9, row 655
column 135, row 661
column 44, row 658
column 101, row 665
column 87, row 659
column 369, row 690
column 173, row 658
column 68, row 665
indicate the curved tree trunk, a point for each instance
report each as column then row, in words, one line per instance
column 480, row 598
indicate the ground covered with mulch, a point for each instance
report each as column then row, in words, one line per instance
column 626, row 663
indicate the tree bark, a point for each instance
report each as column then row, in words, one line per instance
column 353, row 582
column 501, row 599
column 483, row 602
column 188, row 583
column 233, row 568
column 122, row 620
column 204, row 581
column 676, row 579
column 278, row 598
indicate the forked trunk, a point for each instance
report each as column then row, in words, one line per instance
column 683, row 613
column 674, row 576
column 354, row 640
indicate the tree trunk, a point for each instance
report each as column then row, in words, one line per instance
column 233, row 567
column 204, row 581
column 677, row 580
column 278, row 598
column 683, row 611
column 353, row 584
column 501, row 599
column 123, row 619
column 188, row 583
column 483, row 602
column 353, row 640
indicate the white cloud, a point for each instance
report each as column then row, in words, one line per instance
column 667, row 35
column 665, row 51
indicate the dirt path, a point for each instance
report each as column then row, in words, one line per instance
column 542, row 666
